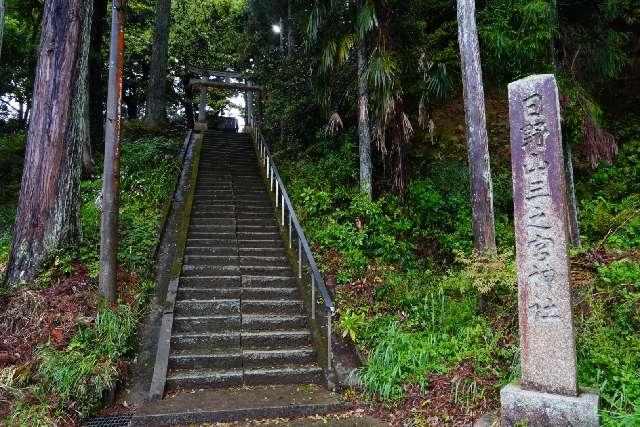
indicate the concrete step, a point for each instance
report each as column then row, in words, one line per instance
column 254, row 243
column 256, row 358
column 204, row 340
column 211, row 359
column 193, row 324
column 244, row 215
column 231, row 281
column 257, row 252
column 217, row 378
column 211, row 211
column 281, row 281
column 258, row 228
column 272, row 307
column 266, row 270
column 270, row 293
column 288, row 374
column 220, row 243
column 237, row 200
column 203, row 378
column 207, row 307
column 258, row 235
column 209, row 294
column 212, row 227
column 276, row 338
column 222, row 260
column 208, row 250
column 207, row 185
column 236, row 292
column 209, row 270
column 212, row 406
column 221, row 222
column 215, row 235
column 211, row 215
column 257, row 260
column 277, row 322
column 204, row 259
column 256, row 221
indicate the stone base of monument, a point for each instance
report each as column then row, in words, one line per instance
column 544, row 409
column 200, row 126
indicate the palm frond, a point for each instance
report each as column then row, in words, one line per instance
column 367, row 19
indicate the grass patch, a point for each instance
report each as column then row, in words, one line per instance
column 425, row 312
column 81, row 350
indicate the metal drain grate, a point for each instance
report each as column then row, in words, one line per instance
column 120, row 420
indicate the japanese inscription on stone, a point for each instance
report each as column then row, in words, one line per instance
column 544, row 298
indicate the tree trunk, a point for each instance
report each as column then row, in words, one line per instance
column 48, row 207
column 572, row 203
column 82, row 128
column 111, row 174
column 97, row 83
column 1, row 25
column 290, row 42
column 88, row 164
column 477, row 139
column 131, row 97
column 156, row 113
column 364, row 131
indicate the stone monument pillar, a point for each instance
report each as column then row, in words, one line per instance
column 548, row 393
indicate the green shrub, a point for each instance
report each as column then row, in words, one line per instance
column 616, row 223
column 401, row 358
column 488, row 272
column 89, row 365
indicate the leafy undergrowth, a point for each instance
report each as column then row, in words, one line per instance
column 61, row 348
column 436, row 326
column 11, row 159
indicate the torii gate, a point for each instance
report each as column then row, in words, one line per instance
column 220, row 79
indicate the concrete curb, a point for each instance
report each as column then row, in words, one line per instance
column 181, row 209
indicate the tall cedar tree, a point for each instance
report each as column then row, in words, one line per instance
column 364, row 130
column 1, row 25
column 156, row 112
column 97, row 82
column 48, row 207
column 477, row 139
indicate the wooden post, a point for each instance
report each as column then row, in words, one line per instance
column 111, row 176
column 477, row 139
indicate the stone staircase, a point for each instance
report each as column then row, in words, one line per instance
column 239, row 318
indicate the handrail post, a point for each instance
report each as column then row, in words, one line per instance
column 282, row 201
column 313, row 296
column 290, row 243
column 299, row 258
column 271, row 185
column 329, row 350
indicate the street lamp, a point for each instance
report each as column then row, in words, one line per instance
column 277, row 29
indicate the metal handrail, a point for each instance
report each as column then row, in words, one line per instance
column 275, row 178
column 283, row 202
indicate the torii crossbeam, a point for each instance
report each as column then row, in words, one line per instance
column 204, row 85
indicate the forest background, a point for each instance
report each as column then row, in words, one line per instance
column 433, row 320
